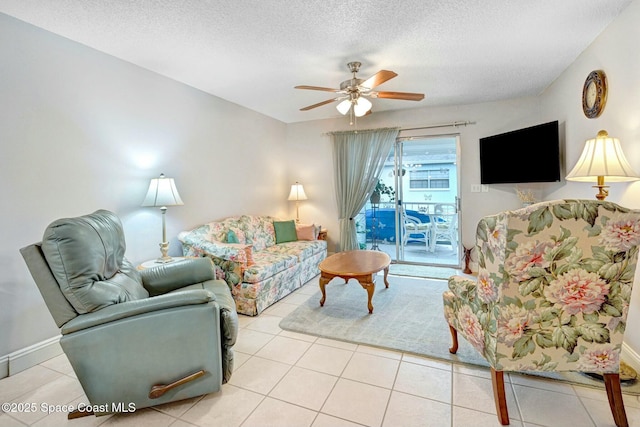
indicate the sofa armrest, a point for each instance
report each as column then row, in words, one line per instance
column 134, row 308
column 235, row 252
column 164, row 278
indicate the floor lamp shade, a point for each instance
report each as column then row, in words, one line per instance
column 602, row 158
column 162, row 192
column 297, row 193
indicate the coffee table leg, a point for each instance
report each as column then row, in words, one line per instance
column 370, row 287
column 323, row 283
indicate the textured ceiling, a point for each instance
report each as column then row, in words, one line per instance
column 254, row 52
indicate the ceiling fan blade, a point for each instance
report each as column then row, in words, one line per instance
column 378, row 78
column 319, row 104
column 408, row 96
column 326, row 89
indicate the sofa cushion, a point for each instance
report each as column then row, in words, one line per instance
column 268, row 263
column 86, row 256
column 285, row 231
column 306, row 231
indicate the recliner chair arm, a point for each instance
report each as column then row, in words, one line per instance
column 137, row 307
column 175, row 275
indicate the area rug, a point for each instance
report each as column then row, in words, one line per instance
column 421, row 271
column 407, row 317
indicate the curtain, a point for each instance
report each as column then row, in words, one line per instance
column 358, row 159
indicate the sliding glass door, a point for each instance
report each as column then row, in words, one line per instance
column 416, row 219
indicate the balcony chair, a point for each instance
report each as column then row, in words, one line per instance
column 416, row 231
column 552, row 293
column 134, row 338
column 444, row 228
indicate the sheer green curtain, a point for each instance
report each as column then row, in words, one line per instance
column 358, row 159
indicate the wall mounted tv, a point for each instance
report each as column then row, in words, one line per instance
column 525, row 155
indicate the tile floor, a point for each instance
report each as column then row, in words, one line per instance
column 295, row 380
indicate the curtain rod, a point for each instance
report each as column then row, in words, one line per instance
column 444, row 125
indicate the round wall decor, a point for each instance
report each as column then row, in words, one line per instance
column 594, row 94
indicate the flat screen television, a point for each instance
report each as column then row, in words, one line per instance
column 525, row 155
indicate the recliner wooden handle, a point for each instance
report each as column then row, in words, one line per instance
column 160, row 389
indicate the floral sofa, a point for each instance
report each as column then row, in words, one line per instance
column 258, row 270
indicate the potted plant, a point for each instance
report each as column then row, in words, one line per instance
column 380, row 189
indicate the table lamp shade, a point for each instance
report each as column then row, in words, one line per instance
column 162, row 192
column 602, row 156
column 297, row 192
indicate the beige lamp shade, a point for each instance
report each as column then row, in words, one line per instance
column 162, row 192
column 297, row 192
column 602, row 158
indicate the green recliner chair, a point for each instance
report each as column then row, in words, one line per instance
column 134, row 338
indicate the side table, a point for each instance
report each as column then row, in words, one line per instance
column 153, row 263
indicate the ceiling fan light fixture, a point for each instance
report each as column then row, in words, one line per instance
column 344, row 106
column 361, row 106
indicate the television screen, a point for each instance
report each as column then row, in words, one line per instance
column 525, row 155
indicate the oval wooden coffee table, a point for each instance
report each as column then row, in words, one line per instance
column 359, row 265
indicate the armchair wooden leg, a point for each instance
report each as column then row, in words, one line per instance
column 500, row 397
column 454, row 339
column 614, row 393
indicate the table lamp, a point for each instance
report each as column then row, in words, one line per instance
column 601, row 158
column 162, row 193
column 297, row 194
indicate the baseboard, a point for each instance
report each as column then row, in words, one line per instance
column 630, row 357
column 30, row 356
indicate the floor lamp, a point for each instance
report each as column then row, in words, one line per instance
column 297, row 194
column 162, row 193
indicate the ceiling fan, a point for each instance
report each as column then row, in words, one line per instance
column 354, row 92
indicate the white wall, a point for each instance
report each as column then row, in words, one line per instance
column 80, row 131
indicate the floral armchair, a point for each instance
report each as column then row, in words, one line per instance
column 552, row 293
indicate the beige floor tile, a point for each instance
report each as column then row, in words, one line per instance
column 298, row 336
column 324, row 420
column 322, row 358
column 549, row 408
column 541, row 383
column 600, row 412
column 477, row 393
column 60, row 364
column 476, row 371
column 357, row 402
column 27, row 380
column 304, row 387
column 259, row 375
column 280, row 309
column 275, row 413
column 370, row 369
column 296, row 298
column 7, row 421
column 178, row 408
column 59, row 418
column 283, row 349
column 239, row 358
column 391, row 354
column 228, row 408
column 266, row 323
column 311, row 288
column 60, row 391
column 464, row 417
column 338, row 344
column 250, row 341
column 424, row 381
column 143, row 418
column 244, row 320
column 425, row 361
column 408, row 411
